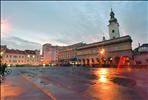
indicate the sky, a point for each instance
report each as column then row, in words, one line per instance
column 30, row 24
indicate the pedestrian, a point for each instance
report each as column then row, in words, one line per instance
column 4, row 66
column 1, row 68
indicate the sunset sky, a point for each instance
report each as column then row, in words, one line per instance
column 28, row 25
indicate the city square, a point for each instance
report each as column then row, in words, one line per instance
column 47, row 54
column 75, row 83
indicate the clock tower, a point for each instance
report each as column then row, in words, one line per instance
column 113, row 26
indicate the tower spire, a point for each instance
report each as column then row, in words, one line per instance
column 112, row 15
column 113, row 26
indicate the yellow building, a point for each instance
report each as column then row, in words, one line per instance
column 105, row 52
column 19, row 57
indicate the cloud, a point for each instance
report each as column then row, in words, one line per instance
column 19, row 43
column 64, row 23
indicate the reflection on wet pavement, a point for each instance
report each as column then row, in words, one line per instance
column 14, row 90
column 102, row 74
column 89, row 83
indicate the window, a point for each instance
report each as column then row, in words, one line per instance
column 14, row 61
column 81, row 52
column 14, row 56
column 113, row 31
column 86, row 52
column 97, row 59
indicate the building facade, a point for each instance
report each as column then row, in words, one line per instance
column 49, row 54
column 68, row 54
column 19, row 57
column 105, row 52
column 141, row 55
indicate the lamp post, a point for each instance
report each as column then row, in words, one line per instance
column 102, row 53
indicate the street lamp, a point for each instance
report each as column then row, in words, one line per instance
column 2, row 53
column 102, row 51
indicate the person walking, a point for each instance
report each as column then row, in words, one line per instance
column 1, row 65
column 3, row 69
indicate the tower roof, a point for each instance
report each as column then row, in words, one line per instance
column 112, row 14
column 112, row 17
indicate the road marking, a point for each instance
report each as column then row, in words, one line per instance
column 39, row 87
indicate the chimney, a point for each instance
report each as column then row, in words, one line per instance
column 103, row 38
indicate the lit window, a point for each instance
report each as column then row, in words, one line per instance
column 2, row 53
column 33, row 56
column 28, row 56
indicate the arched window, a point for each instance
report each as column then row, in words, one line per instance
column 113, row 31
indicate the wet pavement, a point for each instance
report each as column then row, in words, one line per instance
column 75, row 83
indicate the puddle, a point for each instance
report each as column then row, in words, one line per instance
column 87, row 82
column 124, row 81
column 91, row 76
